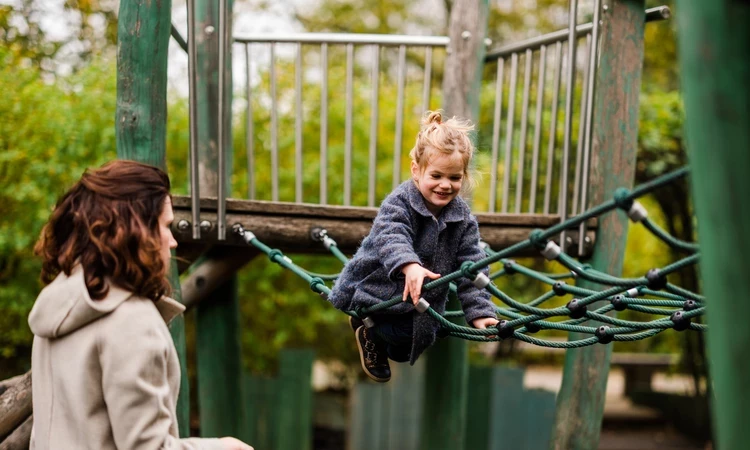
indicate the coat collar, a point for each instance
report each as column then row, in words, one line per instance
column 169, row 308
column 455, row 211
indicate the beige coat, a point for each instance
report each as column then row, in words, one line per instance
column 105, row 374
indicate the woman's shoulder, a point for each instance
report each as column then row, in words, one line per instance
column 136, row 310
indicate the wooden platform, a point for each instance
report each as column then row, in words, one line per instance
column 287, row 226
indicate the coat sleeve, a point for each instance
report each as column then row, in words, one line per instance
column 133, row 355
column 475, row 302
column 392, row 236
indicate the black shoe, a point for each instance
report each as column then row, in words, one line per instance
column 372, row 356
column 355, row 323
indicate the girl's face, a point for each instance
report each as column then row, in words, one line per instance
column 439, row 182
column 168, row 241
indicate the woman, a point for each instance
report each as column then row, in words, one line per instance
column 104, row 368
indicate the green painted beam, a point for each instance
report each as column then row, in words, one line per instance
column 580, row 402
column 141, row 117
column 446, row 392
column 140, row 125
column 219, row 363
column 295, row 396
column 714, row 44
column 447, row 372
column 259, row 410
column 477, row 433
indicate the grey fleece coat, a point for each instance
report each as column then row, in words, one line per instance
column 405, row 231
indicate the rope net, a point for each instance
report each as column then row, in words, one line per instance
column 588, row 313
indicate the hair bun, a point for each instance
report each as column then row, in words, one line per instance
column 432, row 117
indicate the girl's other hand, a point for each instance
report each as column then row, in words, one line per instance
column 415, row 275
column 231, row 443
column 484, row 322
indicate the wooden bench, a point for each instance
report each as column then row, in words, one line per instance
column 639, row 368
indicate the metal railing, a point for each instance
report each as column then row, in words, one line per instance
column 529, row 172
column 363, row 54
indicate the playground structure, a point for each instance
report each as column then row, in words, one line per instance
column 604, row 161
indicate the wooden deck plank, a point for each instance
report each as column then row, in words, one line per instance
column 287, row 225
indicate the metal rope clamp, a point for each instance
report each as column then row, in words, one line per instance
column 422, row 305
column 637, row 212
column 247, row 235
column 481, row 281
column 551, row 251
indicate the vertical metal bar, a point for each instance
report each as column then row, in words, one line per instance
column 375, row 81
column 553, row 127
column 563, row 212
column 274, row 130
column 249, row 129
column 537, row 126
column 348, row 126
column 193, row 123
column 524, row 128
column 496, row 131
column 508, row 167
column 324, row 124
column 581, row 129
column 298, row 126
column 222, row 121
column 593, row 63
column 427, row 83
column 399, row 116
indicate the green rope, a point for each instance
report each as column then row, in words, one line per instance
column 525, row 318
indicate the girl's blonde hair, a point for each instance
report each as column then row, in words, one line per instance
column 449, row 137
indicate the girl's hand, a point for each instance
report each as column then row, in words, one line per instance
column 415, row 275
column 484, row 322
column 231, row 443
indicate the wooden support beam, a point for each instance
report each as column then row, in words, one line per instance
column 287, row 226
column 714, row 46
column 20, row 437
column 580, row 403
column 143, row 29
column 15, row 404
column 217, row 267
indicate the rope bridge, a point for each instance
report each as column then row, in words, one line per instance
column 650, row 294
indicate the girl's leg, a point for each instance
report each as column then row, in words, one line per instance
column 396, row 331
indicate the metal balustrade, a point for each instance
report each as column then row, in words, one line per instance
column 534, row 144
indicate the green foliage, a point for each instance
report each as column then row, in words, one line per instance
column 49, row 134
column 91, row 28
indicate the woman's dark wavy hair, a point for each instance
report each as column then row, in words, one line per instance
column 108, row 221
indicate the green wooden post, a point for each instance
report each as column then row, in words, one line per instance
column 294, row 412
column 141, row 116
column 714, row 46
column 217, row 338
column 580, row 403
column 446, row 387
column 259, row 411
column 140, row 123
column 506, row 432
column 406, row 398
column 219, row 362
column 479, row 397
column 447, row 370
column 368, row 429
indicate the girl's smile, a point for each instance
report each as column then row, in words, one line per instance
column 439, row 182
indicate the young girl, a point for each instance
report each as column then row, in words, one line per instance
column 423, row 229
column 104, row 368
